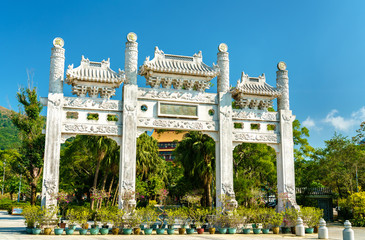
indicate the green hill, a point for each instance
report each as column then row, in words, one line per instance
column 8, row 132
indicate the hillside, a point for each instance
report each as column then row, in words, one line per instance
column 8, row 132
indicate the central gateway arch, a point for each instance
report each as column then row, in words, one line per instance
column 176, row 100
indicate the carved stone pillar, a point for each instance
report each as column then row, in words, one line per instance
column 285, row 153
column 53, row 125
column 282, row 84
column 127, row 165
column 224, row 154
column 223, row 63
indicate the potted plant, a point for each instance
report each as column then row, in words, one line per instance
column 136, row 219
column 82, row 215
column 256, row 217
column 198, row 215
column 183, row 216
column 58, row 230
column 48, row 219
column 317, row 215
column 275, row 220
column 38, row 221
column 291, row 215
column 72, row 218
column 63, row 199
column 172, row 214
column 117, row 220
column 245, row 216
column 233, row 221
column 222, row 221
column 310, row 217
column 29, row 213
column 266, row 213
column 94, row 230
column 103, row 215
column 149, row 217
column 212, row 220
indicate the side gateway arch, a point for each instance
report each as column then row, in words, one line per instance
column 176, row 100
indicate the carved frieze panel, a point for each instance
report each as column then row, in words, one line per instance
column 256, row 137
column 88, row 103
column 183, row 95
column 177, row 124
column 251, row 115
column 91, row 129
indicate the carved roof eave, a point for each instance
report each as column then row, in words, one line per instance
column 266, row 91
column 79, row 82
column 175, row 64
column 254, row 87
column 94, row 72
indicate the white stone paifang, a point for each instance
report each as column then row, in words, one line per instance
column 174, row 83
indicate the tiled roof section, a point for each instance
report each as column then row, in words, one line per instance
column 255, row 86
column 175, row 64
column 89, row 71
column 168, row 136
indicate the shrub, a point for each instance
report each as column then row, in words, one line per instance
column 276, row 219
column 311, row 215
column 31, row 215
column 354, row 206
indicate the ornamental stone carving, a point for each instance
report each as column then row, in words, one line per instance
column 88, row 103
column 250, row 115
column 91, row 129
column 255, row 137
column 288, row 118
column 182, row 95
column 94, row 78
column 177, row 124
column 50, row 185
column 178, row 71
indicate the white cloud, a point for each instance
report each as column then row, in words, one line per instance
column 309, row 123
column 345, row 124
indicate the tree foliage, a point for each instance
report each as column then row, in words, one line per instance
column 254, row 169
column 196, row 153
column 30, row 124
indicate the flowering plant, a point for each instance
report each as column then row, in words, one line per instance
column 285, row 198
column 97, row 194
column 162, row 195
column 127, row 196
column 63, row 199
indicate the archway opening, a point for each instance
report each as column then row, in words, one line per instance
column 89, row 166
column 188, row 163
column 254, row 174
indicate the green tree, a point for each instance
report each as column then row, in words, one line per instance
column 338, row 164
column 30, row 124
column 90, row 153
column 196, row 153
column 254, row 167
column 150, row 167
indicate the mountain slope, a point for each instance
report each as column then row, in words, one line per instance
column 8, row 132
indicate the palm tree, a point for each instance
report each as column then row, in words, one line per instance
column 148, row 161
column 100, row 146
column 196, row 153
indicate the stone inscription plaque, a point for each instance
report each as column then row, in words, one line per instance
column 178, row 110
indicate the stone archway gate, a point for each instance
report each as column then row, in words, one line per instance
column 177, row 101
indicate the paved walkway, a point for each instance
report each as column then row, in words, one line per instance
column 12, row 228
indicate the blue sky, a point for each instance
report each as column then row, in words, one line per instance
column 322, row 42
